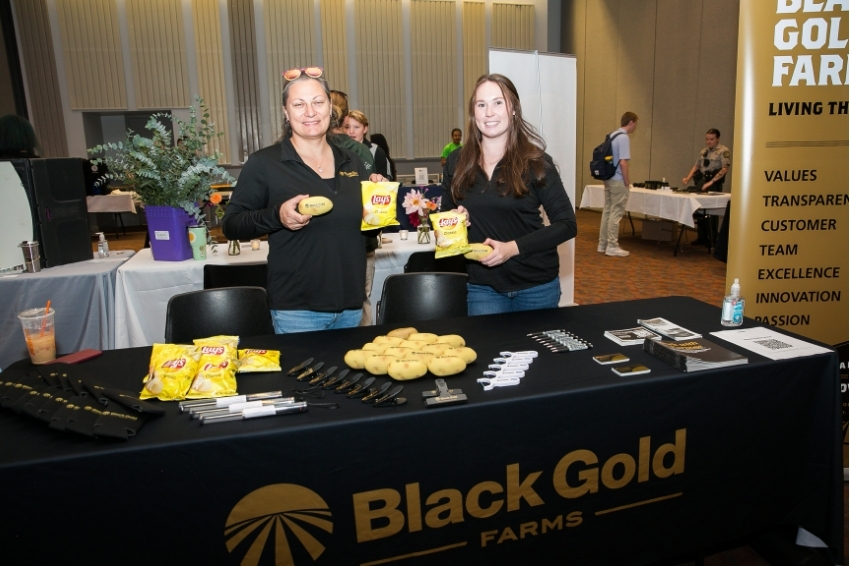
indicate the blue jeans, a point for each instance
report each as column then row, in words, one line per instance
column 482, row 299
column 287, row 322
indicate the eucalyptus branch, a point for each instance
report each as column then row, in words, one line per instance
column 162, row 172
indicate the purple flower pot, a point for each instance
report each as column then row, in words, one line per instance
column 167, row 227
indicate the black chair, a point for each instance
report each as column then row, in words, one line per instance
column 233, row 311
column 424, row 262
column 240, row 275
column 408, row 297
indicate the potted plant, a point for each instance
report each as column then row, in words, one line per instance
column 172, row 179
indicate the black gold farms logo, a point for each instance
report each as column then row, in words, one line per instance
column 279, row 524
column 271, row 522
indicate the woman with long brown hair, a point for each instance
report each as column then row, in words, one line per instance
column 501, row 177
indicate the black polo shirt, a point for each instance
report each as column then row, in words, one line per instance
column 321, row 267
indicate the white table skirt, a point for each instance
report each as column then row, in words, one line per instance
column 678, row 207
column 111, row 203
column 81, row 293
column 144, row 286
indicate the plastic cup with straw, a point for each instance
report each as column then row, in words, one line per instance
column 39, row 333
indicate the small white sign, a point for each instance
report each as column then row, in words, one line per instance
column 161, row 235
column 421, row 174
column 770, row 343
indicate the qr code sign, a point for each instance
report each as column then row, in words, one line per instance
column 773, row 344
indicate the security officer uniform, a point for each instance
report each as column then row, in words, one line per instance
column 709, row 163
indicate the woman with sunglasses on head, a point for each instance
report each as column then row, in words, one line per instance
column 501, row 177
column 708, row 173
column 317, row 264
column 356, row 125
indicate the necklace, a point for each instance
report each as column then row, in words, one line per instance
column 322, row 162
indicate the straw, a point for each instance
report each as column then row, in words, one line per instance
column 44, row 320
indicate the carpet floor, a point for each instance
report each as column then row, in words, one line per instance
column 650, row 271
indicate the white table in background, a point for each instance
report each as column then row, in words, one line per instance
column 678, row 207
column 144, row 286
column 114, row 204
column 81, row 293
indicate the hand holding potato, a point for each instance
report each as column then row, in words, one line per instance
column 289, row 215
column 502, row 252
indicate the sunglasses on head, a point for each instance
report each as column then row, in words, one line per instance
column 312, row 72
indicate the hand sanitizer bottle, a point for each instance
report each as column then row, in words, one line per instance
column 102, row 245
column 733, row 307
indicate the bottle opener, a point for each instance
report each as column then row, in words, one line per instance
column 297, row 369
column 348, row 383
column 309, row 372
column 374, row 393
column 319, row 378
column 332, row 382
column 360, row 389
column 391, row 399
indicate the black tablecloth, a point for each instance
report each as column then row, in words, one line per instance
column 574, row 465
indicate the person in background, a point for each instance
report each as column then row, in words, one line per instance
column 617, row 189
column 17, row 138
column 381, row 141
column 501, row 177
column 356, row 125
column 708, row 173
column 457, row 137
column 316, row 264
column 339, row 100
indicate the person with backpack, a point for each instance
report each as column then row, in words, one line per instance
column 616, row 188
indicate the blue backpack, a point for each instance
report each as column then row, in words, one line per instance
column 602, row 166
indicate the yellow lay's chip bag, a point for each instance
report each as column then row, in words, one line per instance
column 379, row 205
column 172, row 368
column 450, row 234
column 232, row 341
column 251, row 361
column 216, row 375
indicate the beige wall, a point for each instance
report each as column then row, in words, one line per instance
column 152, row 54
column 673, row 62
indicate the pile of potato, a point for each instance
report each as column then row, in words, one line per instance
column 406, row 354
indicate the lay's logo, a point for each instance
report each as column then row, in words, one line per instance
column 381, row 200
column 447, row 222
column 214, row 350
column 256, row 351
column 175, row 364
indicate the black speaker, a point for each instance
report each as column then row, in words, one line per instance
column 56, row 191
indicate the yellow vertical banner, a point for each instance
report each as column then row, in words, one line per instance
column 788, row 241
